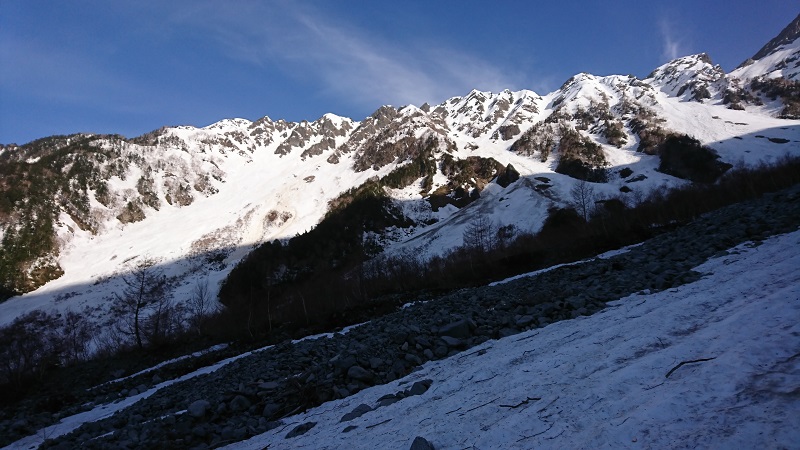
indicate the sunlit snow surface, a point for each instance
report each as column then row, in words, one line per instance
column 600, row 381
column 234, row 219
column 772, row 65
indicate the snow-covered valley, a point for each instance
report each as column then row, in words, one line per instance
column 710, row 363
column 244, row 233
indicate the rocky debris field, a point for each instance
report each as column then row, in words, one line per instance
column 254, row 393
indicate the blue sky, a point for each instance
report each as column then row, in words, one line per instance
column 131, row 67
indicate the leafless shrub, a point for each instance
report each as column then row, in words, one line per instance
column 199, row 304
column 480, row 234
column 37, row 341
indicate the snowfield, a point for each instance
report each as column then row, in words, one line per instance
column 711, row 364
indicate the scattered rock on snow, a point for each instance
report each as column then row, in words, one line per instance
column 300, row 429
column 420, row 443
column 419, row 387
column 359, row 411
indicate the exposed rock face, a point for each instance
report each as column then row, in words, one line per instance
column 693, row 77
column 508, row 176
column 264, row 130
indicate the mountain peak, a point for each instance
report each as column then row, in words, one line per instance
column 228, row 123
column 780, row 58
column 697, row 61
column 786, row 36
column 332, row 118
column 691, row 77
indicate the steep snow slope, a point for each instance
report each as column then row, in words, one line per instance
column 780, row 57
column 740, row 137
column 783, row 62
column 257, row 186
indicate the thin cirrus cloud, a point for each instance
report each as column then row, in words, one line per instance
column 672, row 47
column 49, row 73
column 350, row 63
column 69, row 76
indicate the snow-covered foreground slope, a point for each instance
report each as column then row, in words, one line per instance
column 711, row 364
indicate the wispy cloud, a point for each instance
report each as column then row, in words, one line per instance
column 351, row 63
column 53, row 74
column 72, row 76
column 671, row 47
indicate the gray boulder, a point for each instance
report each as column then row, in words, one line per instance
column 270, row 409
column 419, row 387
column 452, row 342
column 198, row 408
column 300, row 429
column 359, row 373
column 269, row 386
column 525, row 321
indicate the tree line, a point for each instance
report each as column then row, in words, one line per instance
column 331, row 276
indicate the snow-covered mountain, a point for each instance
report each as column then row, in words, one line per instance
column 77, row 211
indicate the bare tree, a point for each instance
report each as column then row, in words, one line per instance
column 479, row 234
column 145, row 289
column 199, row 304
column 76, row 333
column 164, row 320
column 582, row 198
